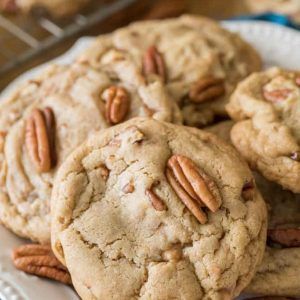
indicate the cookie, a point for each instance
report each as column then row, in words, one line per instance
column 199, row 61
column 279, row 273
column 267, row 107
column 43, row 121
column 286, row 7
column 127, row 203
column 56, row 8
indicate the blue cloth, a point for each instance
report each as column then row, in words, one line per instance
column 271, row 17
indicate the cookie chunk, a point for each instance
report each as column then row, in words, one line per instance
column 56, row 8
column 279, row 273
column 46, row 119
column 267, row 107
column 199, row 61
column 171, row 211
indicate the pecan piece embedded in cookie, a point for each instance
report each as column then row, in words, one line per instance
column 156, row 201
column 185, row 198
column 153, row 63
column 207, row 88
column 277, row 95
column 40, row 139
column 39, row 260
column 192, row 187
column 117, row 104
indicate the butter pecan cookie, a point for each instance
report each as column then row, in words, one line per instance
column 56, row 8
column 279, row 273
column 45, row 120
column 199, row 61
column 267, row 107
column 171, row 211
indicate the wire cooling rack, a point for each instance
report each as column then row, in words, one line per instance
column 22, row 38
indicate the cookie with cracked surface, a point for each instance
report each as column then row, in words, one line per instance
column 267, row 106
column 199, row 61
column 45, row 120
column 56, row 8
column 167, row 209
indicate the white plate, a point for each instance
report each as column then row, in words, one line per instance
column 277, row 46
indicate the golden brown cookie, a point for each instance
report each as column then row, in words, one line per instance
column 199, row 61
column 44, row 120
column 267, row 108
column 171, row 211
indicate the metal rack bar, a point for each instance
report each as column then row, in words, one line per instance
column 58, row 34
column 18, row 32
column 51, row 27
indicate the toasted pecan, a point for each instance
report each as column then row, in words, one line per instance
column 40, row 139
column 39, row 260
column 207, row 88
column 153, row 63
column 276, row 95
column 155, row 200
column 193, row 207
column 192, row 186
column 117, row 104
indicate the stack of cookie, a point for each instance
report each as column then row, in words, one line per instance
column 95, row 158
column 265, row 108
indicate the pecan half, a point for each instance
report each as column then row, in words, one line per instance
column 287, row 237
column 207, row 88
column 39, row 260
column 277, row 95
column 117, row 104
column 155, row 200
column 193, row 207
column 192, row 186
column 40, row 139
column 153, row 63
